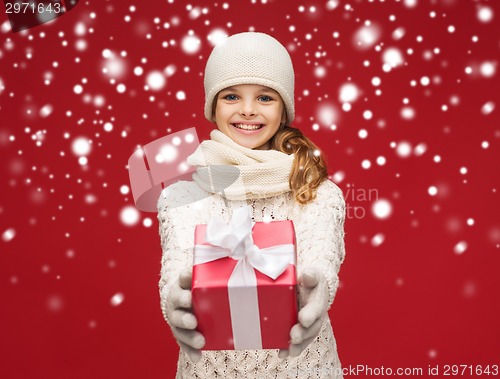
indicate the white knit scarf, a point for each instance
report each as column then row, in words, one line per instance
column 237, row 172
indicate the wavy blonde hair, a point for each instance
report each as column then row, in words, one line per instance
column 309, row 167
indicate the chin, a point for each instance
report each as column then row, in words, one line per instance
column 245, row 142
column 248, row 145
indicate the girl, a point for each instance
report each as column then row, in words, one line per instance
column 257, row 159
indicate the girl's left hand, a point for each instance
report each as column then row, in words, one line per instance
column 311, row 314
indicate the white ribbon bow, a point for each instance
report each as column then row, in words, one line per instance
column 235, row 241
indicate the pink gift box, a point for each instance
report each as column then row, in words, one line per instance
column 276, row 307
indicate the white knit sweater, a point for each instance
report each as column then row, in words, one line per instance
column 319, row 228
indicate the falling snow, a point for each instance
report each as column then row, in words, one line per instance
column 408, row 113
column 156, row 80
column 78, row 89
column 398, row 33
column 400, row 96
column 191, row 44
column 81, row 146
column 348, row 93
column 8, row 235
column 129, row 216
column 117, row 299
column 484, row 13
column 420, row 149
column 46, row 110
column 381, row 209
column 180, row 95
column 217, row 36
column 460, row 247
column 327, row 115
column 392, row 57
column 403, row 149
column 487, row 69
column 488, row 107
column 55, row 303
column 114, row 66
column 367, row 36
column 378, row 239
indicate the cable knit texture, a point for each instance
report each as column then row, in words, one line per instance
column 319, row 227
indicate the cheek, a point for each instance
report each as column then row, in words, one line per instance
column 280, row 115
column 218, row 116
column 222, row 113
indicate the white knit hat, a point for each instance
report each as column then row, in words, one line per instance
column 250, row 58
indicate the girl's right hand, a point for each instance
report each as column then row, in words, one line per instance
column 181, row 318
column 314, row 308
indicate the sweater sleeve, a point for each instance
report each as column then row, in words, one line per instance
column 324, row 248
column 176, row 239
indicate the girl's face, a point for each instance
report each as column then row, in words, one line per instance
column 249, row 114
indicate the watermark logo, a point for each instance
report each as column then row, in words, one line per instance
column 28, row 14
column 358, row 200
column 163, row 162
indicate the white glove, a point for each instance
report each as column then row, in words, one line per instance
column 181, row 318
column 313, row 309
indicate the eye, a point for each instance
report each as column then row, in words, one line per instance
column 230, row 97
column 265, row 98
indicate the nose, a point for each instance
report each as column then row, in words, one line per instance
column 248, row 108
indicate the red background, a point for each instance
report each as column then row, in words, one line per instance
column 411, row 301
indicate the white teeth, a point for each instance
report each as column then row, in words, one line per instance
column 247, row 127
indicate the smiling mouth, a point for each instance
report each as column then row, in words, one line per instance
column 248, row 127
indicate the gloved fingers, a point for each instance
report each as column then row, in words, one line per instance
column 316, row 303
column 314, row 309
column 300, row 338
column 180, row 298
column 185, row 277
column 183, row 319
column 298, row 334
column 296, row 350
column 283, row 353
column 310, row 277
column 194, row 354
column 190, row 338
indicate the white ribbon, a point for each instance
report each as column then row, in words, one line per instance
column 235, row 241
